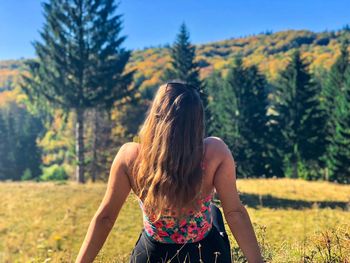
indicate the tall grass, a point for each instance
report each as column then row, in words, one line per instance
column 295, row 221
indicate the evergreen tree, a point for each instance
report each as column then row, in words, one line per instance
column 237, row 87
column 222, row 110
column 11, row 167
column 334, row 87
column 28, row 154
column 249, row 93
column 19, row 130
column 300, row 117
column 262, row 157
column 184, row 67
column 80, row 61
column 333, row 94
column 274, row 145
column 341, row 140
column 4, row 148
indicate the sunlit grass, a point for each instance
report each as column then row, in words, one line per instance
column 48, row 221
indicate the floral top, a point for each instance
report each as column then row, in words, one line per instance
column 192, row 228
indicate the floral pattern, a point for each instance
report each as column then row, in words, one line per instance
column 192, row 228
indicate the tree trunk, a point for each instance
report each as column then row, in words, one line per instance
column 295, row 169
column 295, row 161
column 94, row 146
column 326, row 174
column 79, row 145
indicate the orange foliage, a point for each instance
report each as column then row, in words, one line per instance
column 269, row 51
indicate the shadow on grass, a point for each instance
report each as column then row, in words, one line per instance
column 257, row 201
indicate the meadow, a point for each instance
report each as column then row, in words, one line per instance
column 295, row 221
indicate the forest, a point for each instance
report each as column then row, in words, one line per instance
column 280, row 100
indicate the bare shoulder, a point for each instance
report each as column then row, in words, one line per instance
column 131, row 146
column 216, row 153
column 216, row 147
column 225, row 169
column 130, row 150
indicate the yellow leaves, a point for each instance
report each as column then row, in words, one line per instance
column 255, row 60
column 152, row 81
column 57, row 139
column 8, row 96
column 6, row 74
column 218, row 63
column 324, row 60
column 273, row 66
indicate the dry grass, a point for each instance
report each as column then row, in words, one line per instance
column 296, row 221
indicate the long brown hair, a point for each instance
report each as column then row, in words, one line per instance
column 167, row 169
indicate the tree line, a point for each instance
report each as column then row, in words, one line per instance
column 295, row 126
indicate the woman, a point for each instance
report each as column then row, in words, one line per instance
column 174, row 172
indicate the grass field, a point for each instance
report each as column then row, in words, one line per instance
column 46, row 222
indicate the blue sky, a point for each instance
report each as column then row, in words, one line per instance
column 154, row 22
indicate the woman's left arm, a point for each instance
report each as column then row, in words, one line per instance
column 118, row 188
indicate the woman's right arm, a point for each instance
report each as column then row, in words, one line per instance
column 235, row 213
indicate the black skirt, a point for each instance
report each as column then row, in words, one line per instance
column 215, row 247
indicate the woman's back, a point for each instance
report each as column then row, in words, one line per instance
column 211, row 161
column 195, row 225
column 195, row 229
column 165, row 172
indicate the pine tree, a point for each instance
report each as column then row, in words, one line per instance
column 274, row 144
column 236, row 82
column 184, row 66
column 275, row 151
column 300, row 117
column 222, row 110
column 12, row 140
column 257, row 122
column 249, row 93
column 28, row 152
column 4, row 148
column 332, row 94
column 341, row 139
column 80, row 61
column 19, row 131
column 334, row 87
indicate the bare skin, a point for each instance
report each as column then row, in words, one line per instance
column 220, row 174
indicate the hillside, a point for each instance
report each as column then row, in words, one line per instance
column 268, row 50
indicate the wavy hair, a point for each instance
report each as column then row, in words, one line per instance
column 167, row 169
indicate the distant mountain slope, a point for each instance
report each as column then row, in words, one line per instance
column 9, row 72
column 268, row 50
